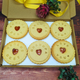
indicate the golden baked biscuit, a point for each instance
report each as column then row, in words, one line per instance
column 17, row 29
column 39, row 52
column 39, row 30
column 60, row 30
column 63, row 51
column 14, row 52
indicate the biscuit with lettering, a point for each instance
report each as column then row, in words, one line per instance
column 63, row 51
column 17, row 29
column 39, row 30
column 60, row 30
column 39, row 52
column 14, row 52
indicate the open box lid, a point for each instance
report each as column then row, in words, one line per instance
column 12, row 9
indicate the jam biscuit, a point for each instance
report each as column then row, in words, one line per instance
column 39, row 52
column 17, row 29
column 63, row 51
column 39, row 30
column 60, row 30
column 14, row 52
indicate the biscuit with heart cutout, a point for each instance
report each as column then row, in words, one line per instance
column 17, row 29
column 39, row 30
column 60, row 30
column 14, row 52
column 39, row 52
column 63, row 51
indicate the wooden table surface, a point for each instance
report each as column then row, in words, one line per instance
column 38, row 73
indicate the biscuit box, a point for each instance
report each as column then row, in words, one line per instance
column 13, row 10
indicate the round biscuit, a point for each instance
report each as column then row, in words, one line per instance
column 39, row 30
column 63, row 56
column 17, row 34
column 39, row 58
column 9, row 56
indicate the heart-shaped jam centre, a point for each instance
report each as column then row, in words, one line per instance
column 39, row 30
column 39, row 51
column 17, row 28
column 15, row 51
column 60, row 29
column 62, row 50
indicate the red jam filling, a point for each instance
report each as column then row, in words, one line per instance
column 39, row 30
column 17, row 28
column 62, row 50
column 60, row 29
column 15, row 51
column 39, row 51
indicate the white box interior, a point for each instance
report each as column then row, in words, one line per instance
column 27, row 40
